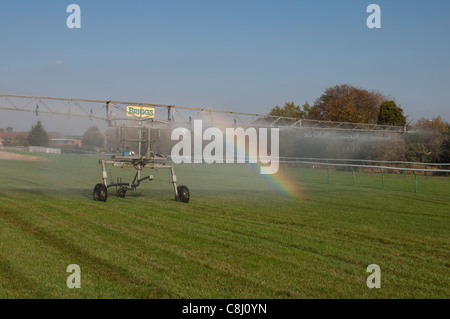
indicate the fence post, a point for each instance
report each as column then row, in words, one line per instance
column 354, row 177
column 417, row 184
column 382, row 178
column 306, row 172
column 328, row 173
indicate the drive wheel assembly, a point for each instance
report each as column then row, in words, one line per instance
column 122, row 192
column 100, row 192
column 183, row 194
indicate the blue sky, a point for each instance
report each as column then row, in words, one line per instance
column 237, row 55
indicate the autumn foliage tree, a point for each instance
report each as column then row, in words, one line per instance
column 345, row 103
column 341, row 103
column 427, row 140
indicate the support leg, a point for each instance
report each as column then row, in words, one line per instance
column 104, row 174
column 174, row 182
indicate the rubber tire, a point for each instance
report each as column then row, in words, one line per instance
column 183, row 194
column 100, row 193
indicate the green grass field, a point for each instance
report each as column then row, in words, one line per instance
column 237, row 238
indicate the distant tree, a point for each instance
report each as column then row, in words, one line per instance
column 436, row 126
column 417, row 152
column 9, row 129
column 345, row 103
column 444, row 156
column 391, row 114
column 427, row 139
column 92, row 138
column 38, row 135
column 306, row 108
column 113, row 139
column 288, row 110
column 391, row 150
column 2, row 129
column 20, row 140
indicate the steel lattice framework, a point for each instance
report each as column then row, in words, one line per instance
column 114, row 112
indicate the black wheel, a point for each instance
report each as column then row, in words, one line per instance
column 122, row 192
column 183, row 194
column 100, row 192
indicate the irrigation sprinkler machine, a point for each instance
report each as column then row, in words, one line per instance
column 141, row 121
column 144, row 158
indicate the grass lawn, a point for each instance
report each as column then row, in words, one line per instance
column 239, row 237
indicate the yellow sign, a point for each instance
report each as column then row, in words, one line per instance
column 141, row 111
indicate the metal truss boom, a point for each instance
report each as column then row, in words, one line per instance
column 115, row 111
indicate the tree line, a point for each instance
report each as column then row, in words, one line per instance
column 92, row 139
column 427, row 140
column 345, row 103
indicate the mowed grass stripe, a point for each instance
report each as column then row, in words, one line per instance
column 165, row 245
column 73, row 251
column 106, row 246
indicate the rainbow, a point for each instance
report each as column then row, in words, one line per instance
column 280, row 182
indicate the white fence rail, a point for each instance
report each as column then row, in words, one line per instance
column 31, row 149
